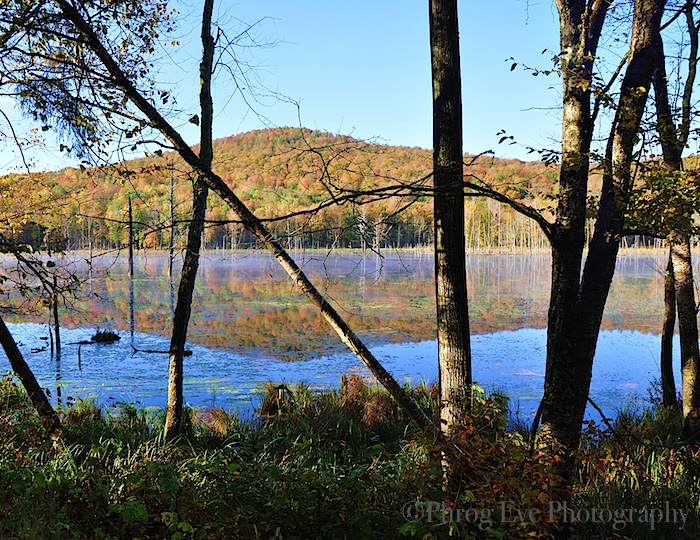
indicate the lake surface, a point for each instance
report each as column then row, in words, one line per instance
column 250, row 325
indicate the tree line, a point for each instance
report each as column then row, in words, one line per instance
column 86, row 208
column 279, row 172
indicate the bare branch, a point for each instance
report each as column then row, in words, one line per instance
column 481, row 189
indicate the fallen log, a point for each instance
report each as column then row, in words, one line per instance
column 156, row 351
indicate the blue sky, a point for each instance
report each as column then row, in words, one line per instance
column 363, row 68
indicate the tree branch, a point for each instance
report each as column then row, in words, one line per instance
column 482, row 189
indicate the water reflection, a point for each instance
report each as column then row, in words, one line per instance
column 245, row 301
column 248, row 322
column 511, row 362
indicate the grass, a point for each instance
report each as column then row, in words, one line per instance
column 343, row 464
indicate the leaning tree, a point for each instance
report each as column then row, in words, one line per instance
column 84, row 69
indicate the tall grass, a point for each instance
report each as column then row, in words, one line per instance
column 337, row 464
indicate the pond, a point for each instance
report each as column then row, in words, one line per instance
column 249, row 325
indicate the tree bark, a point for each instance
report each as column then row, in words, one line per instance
column 668, row 383
column 56, row 322
column 580, row 27
column 454, row 355
column 47, row 415
column 576, row 307
column 248, row 220
column 688, row 328
column 188, row 276
column 673, row 141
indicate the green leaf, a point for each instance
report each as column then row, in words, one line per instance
column 168, row 484
column 185, row 527
column 194, row 120
column 40, row 480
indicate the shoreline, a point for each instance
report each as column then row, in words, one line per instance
column 510, row 362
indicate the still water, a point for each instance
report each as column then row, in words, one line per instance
column 249, row 325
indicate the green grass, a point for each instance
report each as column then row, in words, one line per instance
column 340, row 464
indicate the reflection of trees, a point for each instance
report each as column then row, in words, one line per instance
column 241, row 306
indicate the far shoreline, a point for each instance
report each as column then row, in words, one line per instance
column 352, row 251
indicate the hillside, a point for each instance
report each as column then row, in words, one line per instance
column 277, row 172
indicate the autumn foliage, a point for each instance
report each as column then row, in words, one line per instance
column 293, row 177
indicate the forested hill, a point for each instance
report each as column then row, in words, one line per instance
column 277, row 172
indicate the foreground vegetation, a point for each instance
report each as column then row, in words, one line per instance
column 344, row 464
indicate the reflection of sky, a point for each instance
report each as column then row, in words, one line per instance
column 511, row 362
column 247, row 307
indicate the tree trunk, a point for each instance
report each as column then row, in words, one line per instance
column 247, row 219
column 576, row 308
column 668, row 383
column 688, row 328
column 580, row 30
column 171, row 243
column 672, row 143
column 454, row 356
column 56, row 322
column 131, row 272
column 49, row 418
column 188, row 276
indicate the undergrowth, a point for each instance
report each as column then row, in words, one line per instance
column 338, row 464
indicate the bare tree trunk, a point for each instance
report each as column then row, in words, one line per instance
column 673, row 141
column 454, row 355
column 188, row 276
column 668, row 384
column 131, row 272
column 56, row 322
column 247, row 219
column 49, row 418
column 576, row 308
column 688, row 327
column 171, row 243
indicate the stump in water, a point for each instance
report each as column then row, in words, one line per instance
column 105, row 337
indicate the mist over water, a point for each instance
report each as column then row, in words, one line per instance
column 249, row 325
